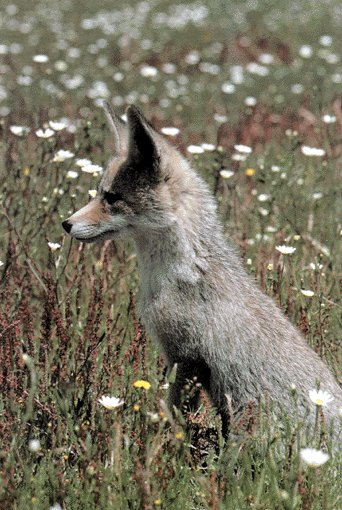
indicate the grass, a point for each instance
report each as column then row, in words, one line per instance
column 69, row 331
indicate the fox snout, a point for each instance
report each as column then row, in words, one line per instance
column 89, row 223
column 67, row 226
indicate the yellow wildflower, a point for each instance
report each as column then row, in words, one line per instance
column 157, row 502
column 26, row 171
column 142, row 384
column 250, row 172
column 179, row 435
column 136, row 408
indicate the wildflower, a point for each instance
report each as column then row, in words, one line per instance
column 154, row 417
column 325, row 40
column 220, row 118
column 92, row 169
column 26, row 171
column 320, row 398
column 136, row 408
column 307, row 293
column 270, row 266
column 266, row 58
column 148, row 71
column 179, row 435
column 45, row 133
column 170, row 131
column 195, row 149
column 142, row 384
column 305, row 51
column 111, row 402
column 239, row 157
column 157, row 502
column 208, row 147
column 329, row 119
column 71, row 174
column 313, row 458
column 263, row 197
column 40, row 59
column 62, row 155
column 317, row 195
column 192, row 58
column 250, row 172
column 228, row 88
column 285, row 250
column 34, row 445
column 19, row 130
column 83, row 162
column 312, row 151
column 226, row 174
column 1, row 263
column 244, row 149
column 92, row 193
column 57, row 126
column 315, row 267
column 250, row 101
column 27, row 360
column 54, row 246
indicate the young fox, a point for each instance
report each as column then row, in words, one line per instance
column 197, row 302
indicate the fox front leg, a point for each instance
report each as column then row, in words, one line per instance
column 185, row 391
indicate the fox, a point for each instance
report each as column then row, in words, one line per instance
column 208, row 316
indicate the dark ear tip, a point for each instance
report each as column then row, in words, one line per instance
column 134, row 113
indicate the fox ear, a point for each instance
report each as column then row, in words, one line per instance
column 141, row 146
column 117, row 126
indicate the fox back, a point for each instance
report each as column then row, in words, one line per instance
column 197, row 302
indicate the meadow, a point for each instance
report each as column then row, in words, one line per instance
column 252, row 91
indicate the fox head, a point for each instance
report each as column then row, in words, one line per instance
column 138, row 188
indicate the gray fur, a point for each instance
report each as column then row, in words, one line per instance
column 197, row 302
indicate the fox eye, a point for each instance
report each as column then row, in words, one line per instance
column 111, row 198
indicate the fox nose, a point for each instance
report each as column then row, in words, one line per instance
column 67, row 226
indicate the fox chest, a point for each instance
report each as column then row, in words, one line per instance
column 176, row 323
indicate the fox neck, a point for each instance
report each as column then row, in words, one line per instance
column 181, row 252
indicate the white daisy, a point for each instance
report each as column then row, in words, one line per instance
column 328, row 119
column 170, row 131
column 54, row 246
column 195, row 149
column 92, row 169
column 208, row 147
column 312, row 151
column 71, row 174
column 57, row 126
column 313, row 458
column 148, row 71
column 263, row 197
column 45, row 133
column 285, row 250
column 320, row 398
column 34, row 445
column 83, row 162
column 307, row 293
column 111, row 402
column 40, row 59
column 244, row 149
column 19, row 130
column 62, row 155
column 226, row 174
